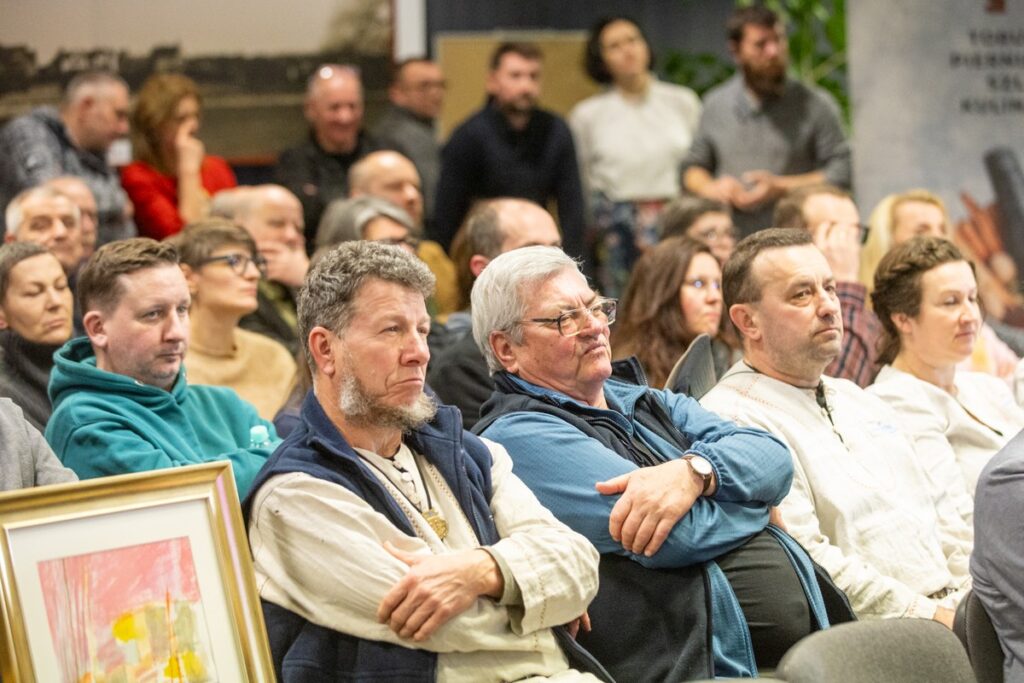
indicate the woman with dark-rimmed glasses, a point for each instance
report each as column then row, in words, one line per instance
column 223, row 268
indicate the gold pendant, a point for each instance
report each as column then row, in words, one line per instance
column 436, row 522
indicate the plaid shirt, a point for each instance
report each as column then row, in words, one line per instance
column 861, row 331
column 35, row 148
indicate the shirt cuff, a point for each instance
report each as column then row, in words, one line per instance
column 922, row 608
column 511, row 594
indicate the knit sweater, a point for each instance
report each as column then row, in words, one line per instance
column 259, row 369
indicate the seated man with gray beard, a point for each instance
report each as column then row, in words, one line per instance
column 388, row 543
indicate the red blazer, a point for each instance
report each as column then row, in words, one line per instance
column 155, row 195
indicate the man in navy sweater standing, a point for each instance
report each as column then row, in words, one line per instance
column 511, row 148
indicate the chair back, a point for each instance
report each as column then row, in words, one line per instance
column 694, row 373
column 904, row 650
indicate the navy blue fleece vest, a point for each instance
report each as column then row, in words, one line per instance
column 304, row 652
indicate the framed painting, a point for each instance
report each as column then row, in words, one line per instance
column 141, row 577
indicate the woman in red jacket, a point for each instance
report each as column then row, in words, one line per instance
column 172, row 178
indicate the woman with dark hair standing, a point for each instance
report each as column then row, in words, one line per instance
column 630, row 140
column 674, row 295
column 172, row 178
column 926, row 298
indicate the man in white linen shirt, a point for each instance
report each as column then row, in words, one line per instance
column 388, row 543
column 859, row 502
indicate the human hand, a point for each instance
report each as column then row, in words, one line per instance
column 189, row 148
column 722, row 189
column 840, row 243
column 653, row 500
column 763, row 187
column 436, row 589
column 944, row 616
column 775, row 517
column 978, row 238
column 285, row 264
column 574, row 626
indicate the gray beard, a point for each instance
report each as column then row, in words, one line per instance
column 361, row 408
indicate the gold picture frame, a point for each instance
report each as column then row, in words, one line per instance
column 128, row 574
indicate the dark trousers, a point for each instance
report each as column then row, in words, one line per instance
column 771, row 596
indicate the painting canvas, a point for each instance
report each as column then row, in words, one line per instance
column 131, row 613
column 137, row 578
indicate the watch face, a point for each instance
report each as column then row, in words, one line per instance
column 700, row 466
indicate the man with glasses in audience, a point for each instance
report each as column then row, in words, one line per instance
column 830, row 215
column 120, row 399
column 389, row 544
column 652, row 479
column 416, row 96
column 860, row 501
column 78, row 192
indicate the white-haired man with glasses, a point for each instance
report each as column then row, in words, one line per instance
column 652, row 479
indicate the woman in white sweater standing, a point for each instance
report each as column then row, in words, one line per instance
column 926, row 298
column 630, row 140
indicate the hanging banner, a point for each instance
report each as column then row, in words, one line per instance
column 937, row 89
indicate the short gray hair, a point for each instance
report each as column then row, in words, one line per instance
column 327, row 296
column 345, row 219
column 13, row 215
column 501, row 293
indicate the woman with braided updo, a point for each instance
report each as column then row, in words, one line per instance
column 926, row 298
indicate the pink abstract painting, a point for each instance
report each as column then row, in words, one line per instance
column 128, row 614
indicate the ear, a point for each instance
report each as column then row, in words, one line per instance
column 323, row 351
column 9, row 237
column 491, row 84
column 192, row 277
column 504, row 350
column 307, row 110
column 477, row 263
column 902, row 322
column 95, row 329
column 3, row 320
column 745, row 318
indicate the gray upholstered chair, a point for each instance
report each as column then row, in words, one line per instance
column 972, row 625
column 903, row 650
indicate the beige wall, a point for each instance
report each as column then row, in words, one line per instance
column 465, row 58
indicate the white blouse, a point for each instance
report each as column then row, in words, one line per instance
column 631, row 148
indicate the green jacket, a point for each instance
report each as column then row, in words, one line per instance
column 104, row 423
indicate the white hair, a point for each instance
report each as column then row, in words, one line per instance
column 13, row 215
column 502, row 291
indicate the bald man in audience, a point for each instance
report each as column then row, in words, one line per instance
column 74, row 140
column 390, row 176
column 76, row 189
column 273, row 217
column 459, row 374
column 316, row 171
column 860, row 502
column 47, row 217
column 830, row 215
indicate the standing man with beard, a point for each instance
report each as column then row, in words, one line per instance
column 763, row 133
column 511, row 148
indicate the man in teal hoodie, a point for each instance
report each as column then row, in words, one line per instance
column 120, row 400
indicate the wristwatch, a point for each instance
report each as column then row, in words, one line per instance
column 702, row 467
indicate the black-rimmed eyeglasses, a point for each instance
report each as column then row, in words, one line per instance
column 239, row 263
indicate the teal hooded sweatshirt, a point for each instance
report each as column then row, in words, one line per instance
column 104, row 423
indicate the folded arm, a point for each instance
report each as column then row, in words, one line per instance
column 561, row 465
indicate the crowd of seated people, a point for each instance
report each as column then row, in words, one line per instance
column 455, row 454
